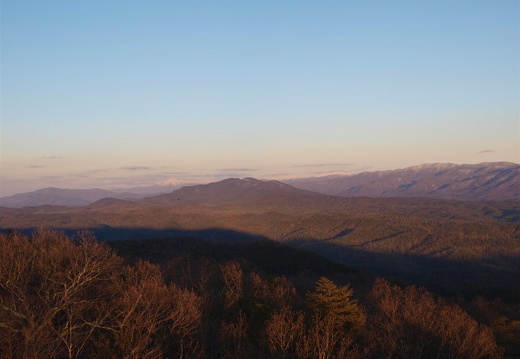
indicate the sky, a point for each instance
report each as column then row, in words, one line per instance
column 124, row 93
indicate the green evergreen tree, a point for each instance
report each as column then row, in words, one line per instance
column 338, row 302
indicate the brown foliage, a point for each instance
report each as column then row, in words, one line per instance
column 74, row 298
column 184, row 321
column 232, row 276
column 152, row 318
column 233, row 337
column 410, row 323
column 277, row 293
column 140, row 312
column 284, row 330
column 325, row 339
column 65, row 298
column 51, row 290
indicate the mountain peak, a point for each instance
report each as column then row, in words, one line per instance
column 230, row 190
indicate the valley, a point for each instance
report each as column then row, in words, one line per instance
column 247, row 234
column 453, row 247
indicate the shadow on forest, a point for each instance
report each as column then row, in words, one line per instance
column 108, row 233
column 493, row 278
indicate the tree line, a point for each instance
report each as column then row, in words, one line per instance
column 75, row 297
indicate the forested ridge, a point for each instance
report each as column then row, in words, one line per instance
column 452, row 247
column 76, row 297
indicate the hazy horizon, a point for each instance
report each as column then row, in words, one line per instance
column 105, row 94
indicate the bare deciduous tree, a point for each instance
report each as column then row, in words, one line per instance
column 233, row 337
column 184, row 320
column 323, row 338
column 409, row 322
column 141, row 312
column 283, row 332
column 232, row 276
column 51, row 288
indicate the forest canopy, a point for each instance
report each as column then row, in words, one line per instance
column 75, row 297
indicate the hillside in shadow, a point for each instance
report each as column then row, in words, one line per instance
column 78, row 297
column 494, row 277
column 453, row 247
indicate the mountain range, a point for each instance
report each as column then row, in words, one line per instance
column 485, row 181
column 448, row 245
column 455, row 248
column 63, row 197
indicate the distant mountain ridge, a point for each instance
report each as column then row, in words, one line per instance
column 229, row 191
column 483, row 181
column 442, row 243
column 62, row 197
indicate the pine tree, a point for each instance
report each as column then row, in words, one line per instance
column 337, row 301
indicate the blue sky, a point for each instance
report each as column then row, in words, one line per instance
column 111, row 93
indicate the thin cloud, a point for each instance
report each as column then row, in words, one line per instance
column 344, row 172
column 317, row 165
column 135, row 168
column 80, row 175
column 52, row 157
column 218, row 176
column 36, row 166
column 99, row 170
column 486, row 151
column 280, row 175
column 89, row 173
column 177, row 173
column 238, row 169
column 332, row 172
column 50, row 177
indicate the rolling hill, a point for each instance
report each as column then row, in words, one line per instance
column 62, row 197
column 449, row 245
column 457, row 249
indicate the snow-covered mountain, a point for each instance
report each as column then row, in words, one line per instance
column 483, row 181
